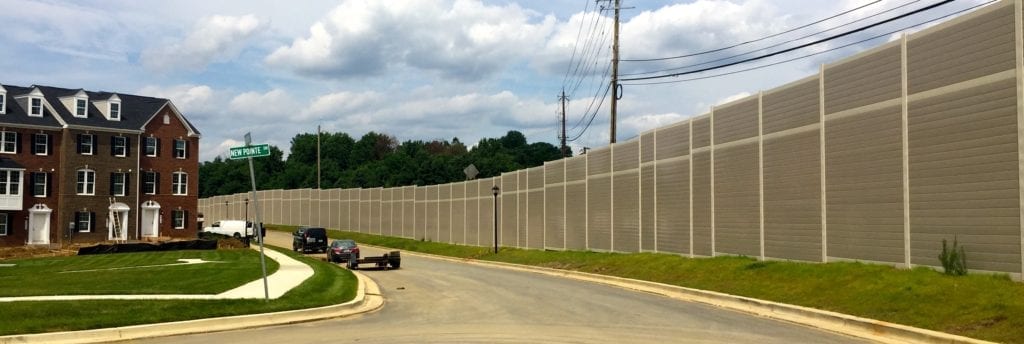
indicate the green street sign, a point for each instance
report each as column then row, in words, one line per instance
column 254, row 151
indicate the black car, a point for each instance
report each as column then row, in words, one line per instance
column 342, row 251
column 309, row 239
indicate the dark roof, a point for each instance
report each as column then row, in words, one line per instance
column 136, row 110
column 9, row 163
column 15, row 114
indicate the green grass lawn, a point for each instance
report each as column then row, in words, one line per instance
column 989, row 307
column 329, row 285
column 132, row 273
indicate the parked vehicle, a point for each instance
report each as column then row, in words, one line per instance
column 309, row 239
column 391, row 259
column 232, row 228
column 342, row 251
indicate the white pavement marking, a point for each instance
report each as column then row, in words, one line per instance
column 184, row 261
column 289, row 275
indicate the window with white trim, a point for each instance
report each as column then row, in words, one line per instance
column 86, row 182
column 86, row 144
column 40, row 184
column 178, row 219
column 81, row 107
column 41, row 144
column 118, row 184
column 115, row 111
column 8, row 142
column 152, row 146
column 179, row 184
column 35, row 107
column 3, row 103
column 3, row 224
column 83, row 221
column 119, row 146
column 180, row 149
column 10, row 182
column 149, row 182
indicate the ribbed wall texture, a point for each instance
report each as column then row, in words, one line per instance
column 509, row 211
column 599, row 200
column 554, row 205
column 851, row 187
column 575, row 203
column 458, row 213
column 792, row 196
column 864, row 186
column 444, row 213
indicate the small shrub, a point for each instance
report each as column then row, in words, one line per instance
column 954, row 260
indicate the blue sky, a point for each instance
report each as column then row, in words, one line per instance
column 418, row 70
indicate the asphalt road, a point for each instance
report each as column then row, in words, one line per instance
column 434, row 301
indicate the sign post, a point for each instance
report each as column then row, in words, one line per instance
column 248, row 152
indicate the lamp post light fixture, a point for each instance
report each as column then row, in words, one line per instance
column 495, row 190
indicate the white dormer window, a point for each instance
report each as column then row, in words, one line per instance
column 81, row 107
column 115, row 111
column 3, row 102
column 35, row 107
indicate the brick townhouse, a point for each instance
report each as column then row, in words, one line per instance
column 78, row 166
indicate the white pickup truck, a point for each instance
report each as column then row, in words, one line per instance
column 233, row 228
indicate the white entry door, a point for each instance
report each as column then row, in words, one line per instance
column 39, row 225
column 149, row 223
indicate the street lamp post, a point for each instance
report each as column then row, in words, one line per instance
column 226, row 211
column 495, row 190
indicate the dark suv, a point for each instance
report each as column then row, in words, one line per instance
column 309, row 239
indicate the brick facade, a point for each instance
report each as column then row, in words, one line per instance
column 117, row 175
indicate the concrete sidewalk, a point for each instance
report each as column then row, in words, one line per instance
column 289, row 275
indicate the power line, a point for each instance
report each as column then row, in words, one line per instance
column 756, row 40
column 774, row 45
column 816, row 53
column 793, row 48
column 575, row 44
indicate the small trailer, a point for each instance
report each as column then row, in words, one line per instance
column 391, row 259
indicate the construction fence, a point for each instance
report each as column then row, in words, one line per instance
column 876, row 158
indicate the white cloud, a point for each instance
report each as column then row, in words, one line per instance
column 275, row 103
column 187, row 98
column 213, row 39
column 461, row 39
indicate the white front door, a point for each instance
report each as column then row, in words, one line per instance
column 39, row 228
column 39, row 224
column 149, row 223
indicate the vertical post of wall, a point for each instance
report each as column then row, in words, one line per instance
column 611, row 213
column 711, row 144
column 690, row 165
column 760, row 167
column 654, row 165
column 1019, row 33
column 906, row 153
column 821, row 151
column 586, row 201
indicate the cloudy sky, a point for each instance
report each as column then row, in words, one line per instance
column 423, row 69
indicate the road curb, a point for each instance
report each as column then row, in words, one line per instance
column 368, row 299
column 875, row 330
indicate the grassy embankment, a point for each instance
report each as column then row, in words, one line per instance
column 329, row 285
column 989, row 307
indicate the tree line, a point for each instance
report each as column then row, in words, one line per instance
column 374, row 160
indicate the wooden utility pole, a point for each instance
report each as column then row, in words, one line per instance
column 563, row 98
column 615, row 70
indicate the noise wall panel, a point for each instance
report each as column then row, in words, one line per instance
column 737, row 204
column 964, row 176
column 576, row 203
column 554, row 205
column 870, row 78
column 864, row 186
column 792, row 196
column 626, row 186
column 599, row 212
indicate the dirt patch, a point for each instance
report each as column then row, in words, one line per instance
column 230, row 244
column 34, row 251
